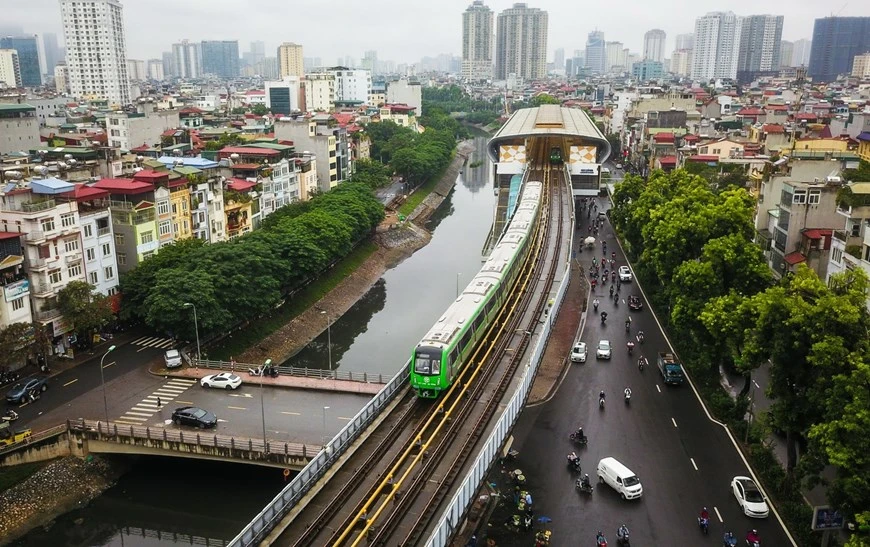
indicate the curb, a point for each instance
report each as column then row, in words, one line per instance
column 165, row 373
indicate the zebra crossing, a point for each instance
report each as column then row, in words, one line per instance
column 148, row 406
column 154, row 342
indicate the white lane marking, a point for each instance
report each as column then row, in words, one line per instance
column 658, row 388
column 674, row 421
column 133, row 418
column 245, row 395
column 756, row 384
column 182, row 381
column 162, row 392
column 237, row 407
column 146, row 406
column 693, row 463
column 139, row 340
column 134, row 413
column 345, row 419
column 183, row 402
column 71, row 382
column 718, row 515
column 174, row 389
column 107, row 365
column 291, row 413
column 125, row 422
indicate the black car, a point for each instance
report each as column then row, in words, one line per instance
column 28, row 389
column 635, row 302
column 191, row 415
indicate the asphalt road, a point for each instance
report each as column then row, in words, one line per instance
column 131, row 392
column 684, row 460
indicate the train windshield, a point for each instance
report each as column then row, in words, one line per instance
column 427, row 362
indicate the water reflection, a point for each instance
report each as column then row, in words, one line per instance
column 476, row 178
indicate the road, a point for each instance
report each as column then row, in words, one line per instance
column 132, row 393
column 683, row 459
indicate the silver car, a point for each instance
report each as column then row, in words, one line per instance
column 172, row 358
column 603, row 351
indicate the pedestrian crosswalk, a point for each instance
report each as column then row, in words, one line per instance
column 154, row 342
column 152, row 404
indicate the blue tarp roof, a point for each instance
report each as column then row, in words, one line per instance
column 198, row 162
column 51, row 186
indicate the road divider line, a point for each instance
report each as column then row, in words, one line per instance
column 658, row 388
column 183, row 402
column 718, row 514
column 291, row 413
column 345, row 419
column 71, row 382
column 693, row 463
column 109, row 364
column 237, row 407
column 674, row 421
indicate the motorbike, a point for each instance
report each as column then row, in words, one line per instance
column 704, row 524
column 583, row 487
column 573, row 462
column 616, row 300
column 10, row 416
column 622, row 537
column 542, row 538
column 601, row 403
column 627, row 395
column 258, row 371
column 595, row 304
column 640, row 337
column 729, row 540
column 641, row 363
column 750, row 542
column 600, row 541
column 581, row 440
column 603, row 317
column 630, row 346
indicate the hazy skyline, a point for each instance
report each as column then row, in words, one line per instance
column 400, row 31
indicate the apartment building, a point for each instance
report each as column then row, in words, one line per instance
column 405, row 92
column 271, row 167
column 327, row 141
column 477, row 42
column 127, row 131
column 134, row 220
column 171, row 204
column 207, row 218
column 290, row 61
column 319, row 92
column 850, row 246
column 10, row 69
column 98, row 238
column 19, row 128
column 15, row 306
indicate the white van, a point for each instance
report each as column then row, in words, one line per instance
column 620, row 478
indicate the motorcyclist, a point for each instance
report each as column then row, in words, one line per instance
column 600, row 539
column 579, row 435
column 705, row 515
column 611, row 290
column 595, row 304
column 641, row 362
column 622, row 532
column 584, row 482
column 601, row 395
column 627, row 323
column 603, row 315
column 630, row 346
column 729, row 539
column 753, row 537
column 613, row 275
column 640, row 336
column 627, row 392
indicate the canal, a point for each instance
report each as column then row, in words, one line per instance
column 175, row 501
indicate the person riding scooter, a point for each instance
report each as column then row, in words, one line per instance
column 640, row 336
column 729, row 540
column 574, row 461
column 622, row 535
column 600, row 540
column 704, row 520
column 627, row 393
column 595, row 304
column 630, row 346
column 752, row 538
column 603, row 316
column 585, row 483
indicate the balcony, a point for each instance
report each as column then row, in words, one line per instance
column 104, row 231
column 42, row 290
column 47, row 315
column 121, row 205
column 840, row 235
column 72, row 258
column 34, row 237
column 33, row 207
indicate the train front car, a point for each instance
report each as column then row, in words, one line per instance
column 445, row 349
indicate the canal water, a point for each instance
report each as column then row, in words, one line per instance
column 379, row 332
column 175, row 501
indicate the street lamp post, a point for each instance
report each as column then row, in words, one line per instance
column 328, row 338
column 458, row 275
column 323, row 438
column 263, row 404
column 103, row 382
column 195, row 326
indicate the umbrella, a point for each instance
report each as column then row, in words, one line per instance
column 589, row 240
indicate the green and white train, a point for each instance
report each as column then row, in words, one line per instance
column 444, row 350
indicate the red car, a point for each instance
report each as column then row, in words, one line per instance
column 635, row 302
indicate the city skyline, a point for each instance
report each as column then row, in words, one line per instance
column 441, row 33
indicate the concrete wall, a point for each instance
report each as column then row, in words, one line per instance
column 47, row 449
column 19, row 134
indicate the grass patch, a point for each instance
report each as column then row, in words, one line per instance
column 257, row 330
column 422, row 191
column 18, row 473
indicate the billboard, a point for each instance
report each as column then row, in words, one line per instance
column 14, row 291
column 825, row 518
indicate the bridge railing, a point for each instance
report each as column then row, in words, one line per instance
column 301, row 372
column 36, row 437
column 175, row 537
column 452, row 516
column 263, row 523
column 112, row 431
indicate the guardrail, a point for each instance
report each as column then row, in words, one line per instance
column 451, row 518
column 263, row 523
column 36, row 437
column 182, row 539
column 301, row 372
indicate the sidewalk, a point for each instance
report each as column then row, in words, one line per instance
column 283, row 380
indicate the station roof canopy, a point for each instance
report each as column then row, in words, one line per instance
column 550, row 121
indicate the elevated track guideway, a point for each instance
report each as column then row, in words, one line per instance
column 390, row 489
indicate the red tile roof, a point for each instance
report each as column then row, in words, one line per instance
column 246, row 166
column 663, row 137
column 151, row 176
column 794, row 258
column 772, row 128
column 10, row 235
column 749, row 111
column 142, row 148
column 691, row 138
column 818, row 233
column 124, row 186
column 240, row 185
column 702, row 157
column 84, row 193
column 776, row 107
column 805, row 116
column 190, row 110
column 668, row 160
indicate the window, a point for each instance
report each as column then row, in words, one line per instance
column 107, row 249
column 74, row 270
column 94, row 278
column 163, row 208
column 799, row 197
column 88, row 230
column 815, row 197
column 44, row 251
column 67, row 220
column 119, row 240
column 110, row 272
column 855, row 228
column 47, row 224
column 90, row 254
column 146, row 256
column 147, row 237
column 71, row 245
column 18, row 304
column 165, row 228
column 174, row 208
column 837, row 255
column 54, row 276
column 122, row 259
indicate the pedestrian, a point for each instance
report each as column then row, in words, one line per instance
column 159, row 404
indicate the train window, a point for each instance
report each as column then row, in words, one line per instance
column 478, row 322
column 422, row 364
column 465, row 340
column 489, row 306
column 454, row 356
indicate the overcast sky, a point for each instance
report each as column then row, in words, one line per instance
column 402, row 30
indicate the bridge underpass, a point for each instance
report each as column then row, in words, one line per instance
column 291, row 512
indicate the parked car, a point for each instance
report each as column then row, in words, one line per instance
column 172, row 358
column 195, row 416
column 603, row 351
column 22, row 391
column 749, row 497
column 224, row 380
column 635, row 302
column 578, row 353
column 624, row 273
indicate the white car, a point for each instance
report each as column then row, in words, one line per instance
column 619, row 166
column 603, row 351
column 578, row 353
column 624, row 273
column 224, row 380
column 172, row 358
column 749, row 497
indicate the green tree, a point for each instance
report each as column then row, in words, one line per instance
column 372, row 173
column 239, row 110
column 16, row 341
column 172, row 288
column 85, row 308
